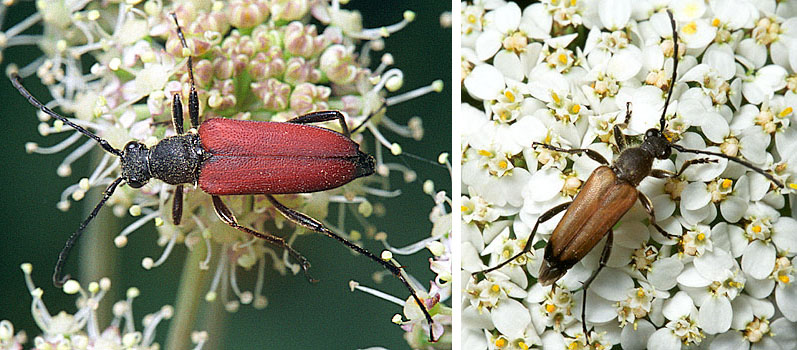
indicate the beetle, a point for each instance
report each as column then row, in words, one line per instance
column 237, row 157
column 610, row 192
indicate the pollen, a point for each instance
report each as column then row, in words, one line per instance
column 556, row 98
column 550, row 308
column 786, row 111
column 573, row 3
column 522, row 345
column 701, row 236
column 575, row 109
column 562, row 58
column 500, row 342
column 509, row 96
column 715, row 22
column 793, row 186
column 640, row 292
column 503, row 164
column 690, row 29
column 495, row 288
column 784, row 278
column 727, row 183
column 464, row 209
column 756, row 229
column 471, row 19
column 485, row 153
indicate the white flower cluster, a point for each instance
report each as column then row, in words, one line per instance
column 563, row 73
column 81, row 330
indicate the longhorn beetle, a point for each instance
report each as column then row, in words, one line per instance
column 236, row 157
column 608, row 194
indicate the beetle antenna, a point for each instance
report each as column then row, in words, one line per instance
column 58, row 280
column 674, row 70
column 16, row 80
column 735, row 159
column 422, row 159
column 380, row 110
column 193, row 99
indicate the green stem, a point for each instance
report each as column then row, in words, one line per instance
column 189, row 295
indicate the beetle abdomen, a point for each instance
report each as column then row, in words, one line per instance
column 272, row 158
column 598, row 206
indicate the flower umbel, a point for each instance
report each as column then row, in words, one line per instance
column 683, row 276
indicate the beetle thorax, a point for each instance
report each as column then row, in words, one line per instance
column 633, row 165
column 176, row 160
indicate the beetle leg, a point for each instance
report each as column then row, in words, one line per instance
column 315, row 225
column 607, row 250
column 227, row 216
column 177, row 114
column 663, row 174
column 590, row 153
column 619, row 137
column 323, row 116
column 543, row 218
column 193, row 99
column 177, row 205
column 648, row 205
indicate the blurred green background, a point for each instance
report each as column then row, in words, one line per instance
column 299, row 315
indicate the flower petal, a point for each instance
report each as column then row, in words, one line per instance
column 784, row 235
column 485, row 82
column 510, row 318
column 758, row 259
column 715, row 315
column 786, row 297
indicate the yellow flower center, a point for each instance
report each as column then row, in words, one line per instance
column 509, row 96
column 727, row 183
column 550, row 308
column 715, row 22
column 757, row 229
column 500, row 342
column 784, row 278
column 786, row 111
column 690, row 29
column 485, row 153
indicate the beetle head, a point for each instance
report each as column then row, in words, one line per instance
column 135, row 167
column 656, row 144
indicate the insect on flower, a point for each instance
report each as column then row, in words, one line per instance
column 608, row 194
column 235, row 157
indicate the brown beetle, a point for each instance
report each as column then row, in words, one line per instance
column 608, row 194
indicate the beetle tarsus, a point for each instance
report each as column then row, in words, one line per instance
column 315, row 225
column 527, row 248
column 590, row 153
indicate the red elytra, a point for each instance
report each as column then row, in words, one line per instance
column 251, row 157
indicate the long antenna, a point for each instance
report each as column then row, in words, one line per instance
column 59, row 281
column 17, row 82
column 735, row 159
column 674, row 70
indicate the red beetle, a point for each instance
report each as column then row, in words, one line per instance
column 236, row 157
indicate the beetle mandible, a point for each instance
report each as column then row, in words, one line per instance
column 610, row 192
column 236, row 157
